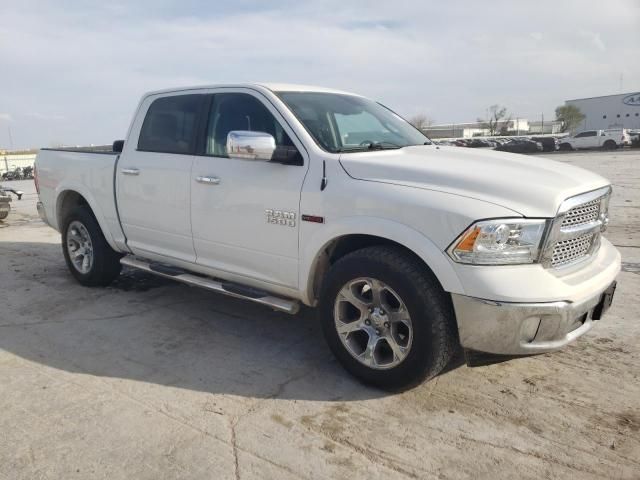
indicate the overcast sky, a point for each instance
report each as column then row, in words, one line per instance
column 72, row 72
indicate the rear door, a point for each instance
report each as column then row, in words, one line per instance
column 154, row 176
column 245, row 220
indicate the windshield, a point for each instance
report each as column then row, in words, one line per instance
column 347, row 123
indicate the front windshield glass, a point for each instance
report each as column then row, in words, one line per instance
column 347, row 123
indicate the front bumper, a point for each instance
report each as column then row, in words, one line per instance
column 508, row 328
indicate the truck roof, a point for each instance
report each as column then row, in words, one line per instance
column 274, row 87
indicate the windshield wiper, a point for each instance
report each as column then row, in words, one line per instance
column 384, row 145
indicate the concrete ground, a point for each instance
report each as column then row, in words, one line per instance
column 149, row 379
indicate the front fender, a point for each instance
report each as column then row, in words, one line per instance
column 318, row 238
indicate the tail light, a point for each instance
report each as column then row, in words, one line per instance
column 35, row 178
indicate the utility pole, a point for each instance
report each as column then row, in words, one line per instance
column 542, row 126
column 10, row 137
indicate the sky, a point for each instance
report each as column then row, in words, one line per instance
column 72, row 72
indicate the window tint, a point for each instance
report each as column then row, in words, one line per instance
column 592, row 133
column 170, row 124
column 240, row 111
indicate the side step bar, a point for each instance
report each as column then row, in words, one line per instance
column 219, row 286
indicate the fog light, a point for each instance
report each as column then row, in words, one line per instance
column 530, row 328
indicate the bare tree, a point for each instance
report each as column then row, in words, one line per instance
column 498, row 121
column 421, row 121
column 570, row 116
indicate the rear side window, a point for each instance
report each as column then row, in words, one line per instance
column 170, row 125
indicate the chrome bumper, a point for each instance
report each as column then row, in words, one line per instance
column 41, row 212
column 522, row 328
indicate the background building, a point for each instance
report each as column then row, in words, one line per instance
column 609, row 111
column 517, row 126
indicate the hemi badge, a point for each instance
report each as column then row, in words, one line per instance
column 312, row 218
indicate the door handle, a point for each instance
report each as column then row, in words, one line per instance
column 130, row 171
column 208, row 180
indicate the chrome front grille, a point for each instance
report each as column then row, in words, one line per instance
column 574, row 235
column 569, row 251
column 582, row 214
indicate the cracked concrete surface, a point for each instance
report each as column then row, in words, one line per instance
column 152, row 379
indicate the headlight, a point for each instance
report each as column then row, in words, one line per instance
column 499, row 242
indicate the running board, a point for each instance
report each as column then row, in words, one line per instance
column 219, row 286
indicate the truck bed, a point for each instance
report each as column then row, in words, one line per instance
column 89, row 172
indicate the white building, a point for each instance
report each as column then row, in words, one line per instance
column 516, row 126
column 609, row 111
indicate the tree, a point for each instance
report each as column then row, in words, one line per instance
column 570, row 116
column 421, row 121
column 498, row 121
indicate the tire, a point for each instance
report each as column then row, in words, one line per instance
column 565, row 147
column 428, row 345
column 4, row 215
column 104, row 263
column 609, row 145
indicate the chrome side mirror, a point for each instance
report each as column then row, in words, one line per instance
column 248, row 145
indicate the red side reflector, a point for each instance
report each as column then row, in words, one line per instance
column 312, row 218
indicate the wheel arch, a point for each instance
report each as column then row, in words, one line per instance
column 320, row 254
column 69, row 198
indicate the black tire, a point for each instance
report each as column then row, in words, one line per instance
column 566, row 147
column 106, row 261
column 610, row 145
column 4, row 215
column 432, row 316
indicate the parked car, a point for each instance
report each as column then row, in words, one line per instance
column 5, row 204
column 522, row 145
column 549, row 144
column 593, row 139
column 283, row 194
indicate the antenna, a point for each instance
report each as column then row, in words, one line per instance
column 10, row 136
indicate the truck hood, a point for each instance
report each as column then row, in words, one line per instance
column 531, row 186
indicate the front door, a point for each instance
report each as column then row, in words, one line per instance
column 154, row 177
column 245, row 213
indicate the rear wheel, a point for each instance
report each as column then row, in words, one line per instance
column 610, row 145
column 89, row 257
column 386, row 318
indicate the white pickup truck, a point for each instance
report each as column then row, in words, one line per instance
column 285, row 194
column 606, row 139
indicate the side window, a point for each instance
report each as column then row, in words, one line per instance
column 170, row 125
column 591, row 134
column 240, row 111
column 581, row 134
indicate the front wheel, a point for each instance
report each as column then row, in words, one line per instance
column 386, row 318
column 566, row 147
column 89, row 257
